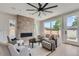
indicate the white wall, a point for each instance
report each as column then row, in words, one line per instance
column 4, row 51
column 4, row 25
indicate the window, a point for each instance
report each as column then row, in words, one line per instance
column 47, row 24
column 12, row 29
column 52, row 26
column 47, row 27
column 72, row 21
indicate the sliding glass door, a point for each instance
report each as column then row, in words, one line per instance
column 71, row 29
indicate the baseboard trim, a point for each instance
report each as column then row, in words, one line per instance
column 72, row 44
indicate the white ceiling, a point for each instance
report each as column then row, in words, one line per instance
column 20, row 9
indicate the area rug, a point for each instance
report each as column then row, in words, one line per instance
column 39, row 51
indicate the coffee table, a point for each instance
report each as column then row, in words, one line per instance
column 32, row 40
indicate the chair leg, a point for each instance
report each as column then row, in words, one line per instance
column 30, row 54
column 29, row 43
column 38, row 43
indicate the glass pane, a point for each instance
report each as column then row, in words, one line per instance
column 72, row 35
column 47, row 27
column 55, row 26
column 71, row 21
column 52, row 26
column 12, row 29
column 72, row 28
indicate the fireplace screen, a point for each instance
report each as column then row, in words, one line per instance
column 26, row 34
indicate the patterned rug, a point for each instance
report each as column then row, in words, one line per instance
column 37, row 50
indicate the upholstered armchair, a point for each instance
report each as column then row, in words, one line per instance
column 50, row 42
column 19, row 50
column 47, row 35
column 40, row 38
column 12, row 41
column 54, row 37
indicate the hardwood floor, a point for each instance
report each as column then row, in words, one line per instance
column 66, row 50
column 62, row 50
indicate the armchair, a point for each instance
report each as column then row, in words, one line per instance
column 19, row 51
column 48, row 44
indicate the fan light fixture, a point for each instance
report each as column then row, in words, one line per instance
column 41, row 8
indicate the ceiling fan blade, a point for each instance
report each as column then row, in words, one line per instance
column 51, row 7
column 32, row 5
column 39, row 5
column 48, row 11
column 45, row 5
column 30, row 10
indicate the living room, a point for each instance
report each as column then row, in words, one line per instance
column 26, row 31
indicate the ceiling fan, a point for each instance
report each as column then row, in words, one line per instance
column 41, row 8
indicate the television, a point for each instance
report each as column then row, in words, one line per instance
column 26, row 34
